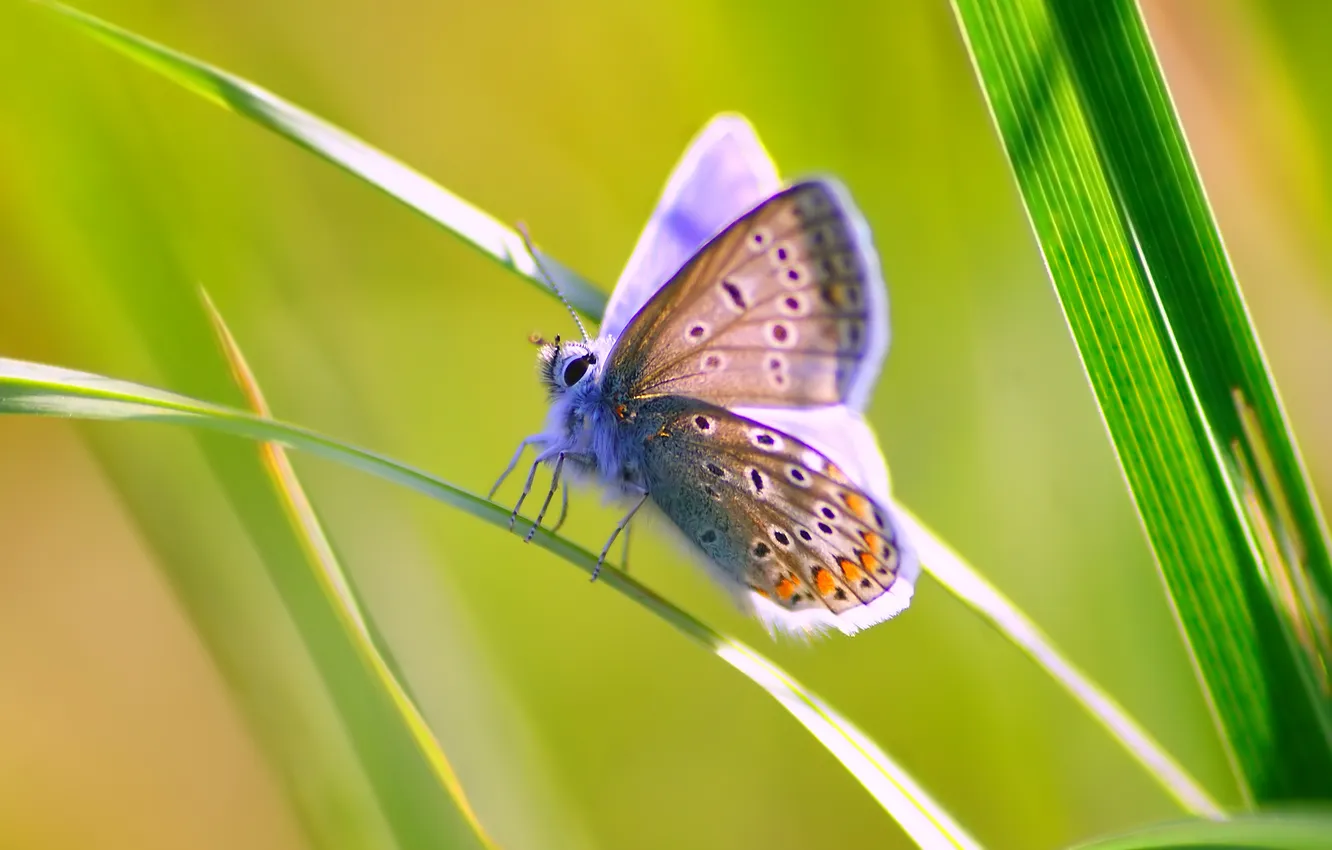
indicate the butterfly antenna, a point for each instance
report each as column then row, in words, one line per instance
column 550, row 279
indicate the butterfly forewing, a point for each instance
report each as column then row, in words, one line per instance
column 774, row 517
column 723, row 174
column 783, row 308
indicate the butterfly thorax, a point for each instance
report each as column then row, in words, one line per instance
column 590, row 419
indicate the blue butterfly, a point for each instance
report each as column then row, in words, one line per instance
column 726, row 388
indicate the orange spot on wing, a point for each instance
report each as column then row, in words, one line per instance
column 786, row 588
column 875, row 542
column 761, row 592
column 823, row 580
column 868, row 561
column 857, row 504
column 836, row 474
column 849, row 569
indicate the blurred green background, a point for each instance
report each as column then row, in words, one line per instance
column 152, row 692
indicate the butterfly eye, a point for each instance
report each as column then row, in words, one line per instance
column 577, row 368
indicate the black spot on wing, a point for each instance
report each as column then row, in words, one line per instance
column 737, row 297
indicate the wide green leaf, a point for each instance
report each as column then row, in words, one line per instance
column 1154, row 308
column 34, row 389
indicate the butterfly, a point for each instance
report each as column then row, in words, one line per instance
column 726, row 388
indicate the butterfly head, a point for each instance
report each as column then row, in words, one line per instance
column 564, row 365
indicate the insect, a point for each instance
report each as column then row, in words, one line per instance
column 726, row 386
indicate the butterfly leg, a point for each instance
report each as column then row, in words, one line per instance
column 624, row 549
column 522, row 447
column 527, row 488
column 596, row 571
column 564, row 506
column 550, row 494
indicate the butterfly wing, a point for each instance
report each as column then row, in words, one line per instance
column 838, row 433
column 784, row 308
column 724, row 172
column 779, row 524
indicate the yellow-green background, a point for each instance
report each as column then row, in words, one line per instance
column 575, row 718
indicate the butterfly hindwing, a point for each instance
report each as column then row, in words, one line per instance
column 784, row 308
column 777, row 520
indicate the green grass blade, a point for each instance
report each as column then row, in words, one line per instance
column 34, row 389
column 966, row 584
column 336, row 145
column 1163, row 332
column 1268, row 831
column 338, row 587
column 503, row 244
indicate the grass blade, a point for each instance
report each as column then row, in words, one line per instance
column 972, row 588
column 341, row 595
column 478, row 228
column 1191, row 408
column 249, row 100
column 1268, row 831
column 34, row 389
column 895, row 790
